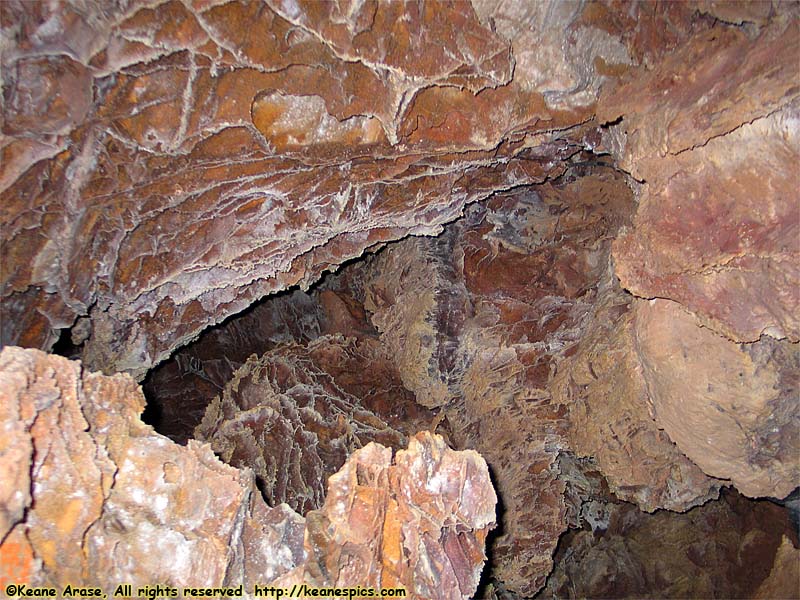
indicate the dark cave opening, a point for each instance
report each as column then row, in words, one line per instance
column 385, row 346
column 65, row 345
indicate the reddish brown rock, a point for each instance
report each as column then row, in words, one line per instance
column 783, row 579
column 291, row 415
column 603, row 386
column 209, row 156
column 165, row 165
column 111, row 501
column 179, row 390
column 58, row 88
column 720, row 235
column 725, row 548
column 381, row 527
column 476, row 321
column 715, row 82
column 713, row 131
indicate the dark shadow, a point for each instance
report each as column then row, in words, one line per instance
column 65, row 347
column 487, row 577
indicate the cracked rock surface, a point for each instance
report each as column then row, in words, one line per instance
column 565, row 235
column 290, row 417
column 484, row 323
column 167, row 165
column 112, row 501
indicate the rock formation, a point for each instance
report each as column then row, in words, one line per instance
column 289, row 417
column 94, row 497
column 688, row 554
column 565, row 235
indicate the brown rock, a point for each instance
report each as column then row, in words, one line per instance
column 381, row 527
column 734, row 214
column 723, row 548
column 715, row 82
column 476, row 320
column 111, row 501
column 784, row 579
column 730, row 408
column 167, row 164
column 211, row 155
column 291, row 417
column 537, row 31
column 178, row 391
column 56, row 88
column 605, row 389
column 712, row 131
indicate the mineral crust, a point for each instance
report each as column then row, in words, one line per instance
column 93, row 496
column 610, row 311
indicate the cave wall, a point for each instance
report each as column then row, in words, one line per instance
column 726, row 550
column 167, row 164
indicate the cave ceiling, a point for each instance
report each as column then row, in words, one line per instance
column 442, row 283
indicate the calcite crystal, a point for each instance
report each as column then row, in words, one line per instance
column 419, row 523
column 96, row 497
column 179, row 391
column 109, row 499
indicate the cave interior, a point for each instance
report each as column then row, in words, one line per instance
column 545, row 254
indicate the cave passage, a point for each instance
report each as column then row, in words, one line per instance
column 470, row 334
column 487, row 299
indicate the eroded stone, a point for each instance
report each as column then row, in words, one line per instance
column 110, row 500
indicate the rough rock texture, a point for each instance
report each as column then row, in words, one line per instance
column 179, row 390
column 785, row 574
column 731, row 408
column 99, row 498
column 713, row 133
column 717, row 234
column 166, row 165
column 724, row 549
column 476, row 321
column 608, row 397
column 295, row 414
column 420, row 523
column 109, row 499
